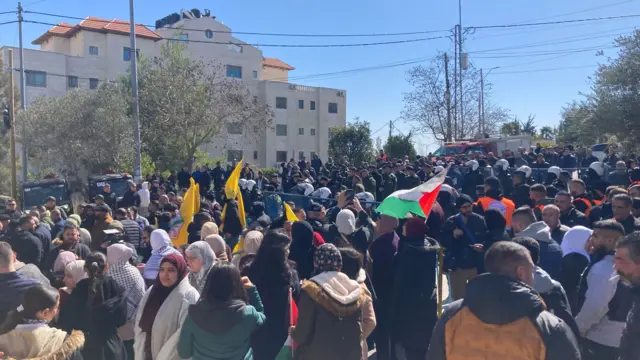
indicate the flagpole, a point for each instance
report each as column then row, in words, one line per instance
column 291, row 318
column 439, row 280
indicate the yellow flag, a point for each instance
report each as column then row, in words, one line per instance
column 288, row 213
column 232, row 191
column 189, row 207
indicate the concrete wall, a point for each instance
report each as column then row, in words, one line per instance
column 274, row 74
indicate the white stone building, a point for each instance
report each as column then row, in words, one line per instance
column 98, row 49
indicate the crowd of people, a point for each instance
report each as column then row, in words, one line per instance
column 536, row 269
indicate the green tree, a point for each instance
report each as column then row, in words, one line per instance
column 397, row 146
column 84, row 130
column 352, row 141
column 528, row 127
column 511, row 128
column 547, row 133
column 5, row 158
column 185, row 104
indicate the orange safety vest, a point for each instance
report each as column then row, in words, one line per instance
column 597, row 202
column 586, row 202
column 505, row 206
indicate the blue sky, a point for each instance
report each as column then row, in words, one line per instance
column 376, row 96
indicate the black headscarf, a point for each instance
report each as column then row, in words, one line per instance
column 301, row 250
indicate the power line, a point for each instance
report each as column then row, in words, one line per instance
column 579, row 11
column 545, row 53
column 543, row 70
column 255, row 33
column 8, row 22
column 276, row 45
column 8, row 12
column 555, row 22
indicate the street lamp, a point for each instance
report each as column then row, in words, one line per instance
column 481, row 112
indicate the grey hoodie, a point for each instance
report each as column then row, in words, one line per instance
column 550, row 251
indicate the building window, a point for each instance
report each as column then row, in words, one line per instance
column 281, row 103
column 126, row 54
column 281, row 130
column 93, row 50
column 234, row 71
column 234, row 128
column 281, row 156
column 208, row 33
column 255, row 154
column 93, row 83
column 333, row 108
column 184, row 38
column 255, row 74
column 36, row 78
column 300, row 104
column 234, row 155
column 235, row 48
column 300, row 131
column 312, row 132
column 312, row 154
column 312, row 105
column 300, row 155
column 72, row 82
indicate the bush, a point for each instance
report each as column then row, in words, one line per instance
column 268, row 172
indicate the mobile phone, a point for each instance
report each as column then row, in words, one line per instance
column 349, row 194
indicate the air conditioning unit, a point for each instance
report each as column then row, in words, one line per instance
column 341, row 93
column 292, row 86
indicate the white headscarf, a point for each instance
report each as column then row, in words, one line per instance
column 145, row 195
column 346, row 222
column 76, row 270
column 160, row 247
column 574, row 241
column 202, row 250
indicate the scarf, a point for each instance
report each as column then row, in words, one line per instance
column 209, row 228
column 160, row 247
column 76, row 270
column 202, row 251
column 126, row 275
column 158, row 294
column 252, row 241
column 64, row 258
column 327, row 258
column 574, row 241
column 218, row 246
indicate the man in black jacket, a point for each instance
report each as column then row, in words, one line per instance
column 569, row 215
column 627, row 264
column 622, row 205
column 520, row 194
column 109, row 197
column 183, row 178
column 131, row 197
column 463, row 235
column 27, row 246
column 498, row 308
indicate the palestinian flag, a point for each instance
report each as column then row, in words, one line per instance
column 418, row 200
column 287, row 350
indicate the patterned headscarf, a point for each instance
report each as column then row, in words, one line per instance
column 160, row 247
column 126, row 275
column 203, row 251
column 327, row 258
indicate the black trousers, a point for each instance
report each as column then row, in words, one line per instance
column 593, row 351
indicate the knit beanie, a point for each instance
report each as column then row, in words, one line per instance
column 463, row 200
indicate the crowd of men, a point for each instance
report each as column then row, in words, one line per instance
column 541, row 247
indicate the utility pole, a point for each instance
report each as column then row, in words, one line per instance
column 481, row 104
column 455, row 84
column 12, row 130
column 23, row 97
column 137, row 171
column 460, row 80
column 447, row 96
column 390, row 128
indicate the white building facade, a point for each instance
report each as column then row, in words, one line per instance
column 95, row 50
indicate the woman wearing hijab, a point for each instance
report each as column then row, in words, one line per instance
column 273, row 276
column 302, row 249
column 208, row 228
column 97, row 308
column 145, row 199
column 160, row 247
column 575, row 260
column 130, row 279
column 64, row 258
column 232, row 225
column 329, row 311
column 219, row 327
column 383, row 251
column 252, row 241
column 163, row 310
column 73, row 273
column 218, row 246
column 200, row 258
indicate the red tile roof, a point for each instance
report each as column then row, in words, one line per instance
column 276, row 63
column 92, row 23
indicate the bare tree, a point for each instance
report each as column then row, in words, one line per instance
column 425, row 106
